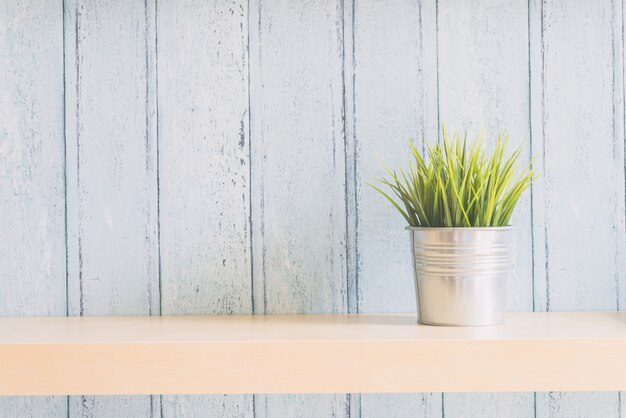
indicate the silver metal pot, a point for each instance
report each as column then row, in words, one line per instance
column 461, row 274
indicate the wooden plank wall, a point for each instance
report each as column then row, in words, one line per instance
column 298, row 173
column 578, row 98
column 204, row 173
column 483, row 86
column 394, row 101
column 32, row 184
column 111, row 175
column 192, row 157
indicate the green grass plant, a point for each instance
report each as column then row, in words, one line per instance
column 457, row 184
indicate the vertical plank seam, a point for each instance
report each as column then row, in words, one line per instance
column 77, row 109
column 357, row 255
column 348, row 138
column 623, row 133
column 65, row 169
column 157, row 158
column 543, row 150
column 624, row 137
column 83, row 399
column 348, row 233
column 158, row 150
column 532, row 186
column 147, row 134
column 67, row 308
column 151, row 141
column 352, row 225
column 250, row 225
column 551, row 394
column 262, row 201
column 250, row 166
column 158, row 167
column 623, row 114
column 531, row 149
column 613, row 129
column 345, row 153
column 443, row 409
column 618, row 98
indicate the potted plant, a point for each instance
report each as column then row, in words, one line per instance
column 458, row 203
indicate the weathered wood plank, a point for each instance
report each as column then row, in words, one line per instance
column 112, row 210
column 298, row 157
column 32, row 195
column 395, row 99
column 578, row 205
column 32, row 266
column 619, row 128
column 353, row 400
column 484, row 85
column 619, row 125
column 204, row 173
column 298, row 172
column 401, row 405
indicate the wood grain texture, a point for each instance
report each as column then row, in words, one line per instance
column 394, row 92
column 484, row 86
column 577, row 120
column 111, row 177
column 619, row 150
column 204, row 181
column 32, row 197
column 298, row 166
column 394, row 100
column 296, row 353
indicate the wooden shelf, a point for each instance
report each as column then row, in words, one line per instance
column 312, row 353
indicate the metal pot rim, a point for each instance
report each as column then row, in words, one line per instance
column 460, row 228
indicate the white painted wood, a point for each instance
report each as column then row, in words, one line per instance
column 401, row 405
column 112, row 211
column 298, row 172
column 490, row 405
column 394, row 100
column 353, row 400
column 394, row 94
column 484, row 85
column 204, row 184
column 298, row 159
column 578, row 207
column 619, row 127
column 32, row 200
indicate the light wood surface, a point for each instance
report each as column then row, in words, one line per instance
column 310, row 354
